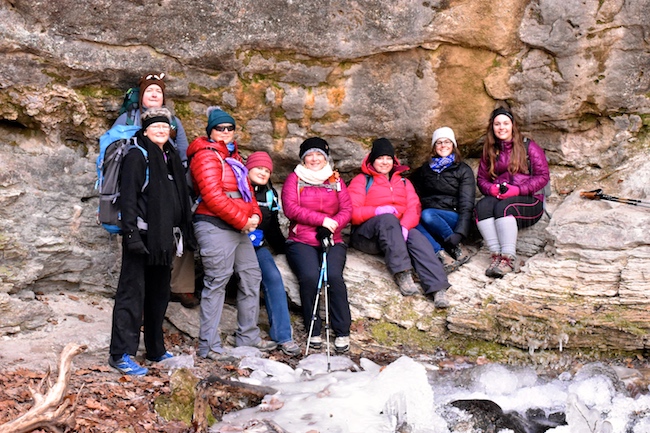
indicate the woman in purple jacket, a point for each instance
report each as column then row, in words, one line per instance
column 512, row 174
column 316, row 202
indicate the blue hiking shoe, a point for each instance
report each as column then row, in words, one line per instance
column 126, row 365
column 162, row 357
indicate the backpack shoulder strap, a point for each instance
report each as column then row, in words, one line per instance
column 369, row 180
column 134, row 144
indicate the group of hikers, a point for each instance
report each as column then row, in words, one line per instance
column 228, row 212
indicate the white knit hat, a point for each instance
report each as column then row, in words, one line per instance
column 444, row 132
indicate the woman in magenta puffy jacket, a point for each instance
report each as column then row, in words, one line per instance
column 317, row 204
column 512, row 175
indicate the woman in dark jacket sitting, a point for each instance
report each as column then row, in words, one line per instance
column 446, row 187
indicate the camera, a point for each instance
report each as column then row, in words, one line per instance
column 503, row 188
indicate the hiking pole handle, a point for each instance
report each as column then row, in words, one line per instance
column 595, row 194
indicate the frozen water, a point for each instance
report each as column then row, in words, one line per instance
column 497, row 379
column 401, row 397
column 177, row 361
column 265, row 368
column 374, row 400
column 317, row 363
column 595, row 391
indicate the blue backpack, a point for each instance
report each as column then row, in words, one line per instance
column 113, row 146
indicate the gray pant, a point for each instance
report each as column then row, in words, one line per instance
column 383, row 234
column 223, row 252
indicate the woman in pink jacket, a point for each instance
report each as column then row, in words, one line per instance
column 385, row 212
column 317, row 204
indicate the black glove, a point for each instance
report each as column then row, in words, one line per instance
column 455, row 239
column 324, row 236
column 137, row 248
column 134, row 243
column 322, row 233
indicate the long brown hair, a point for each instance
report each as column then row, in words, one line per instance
column 518, row 159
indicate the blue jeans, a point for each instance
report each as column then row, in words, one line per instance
column 437, row 225
column 275, row 298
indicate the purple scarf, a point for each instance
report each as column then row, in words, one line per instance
column 241, row 174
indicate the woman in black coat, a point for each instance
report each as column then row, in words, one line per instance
column 155, row 209
column 446, row 187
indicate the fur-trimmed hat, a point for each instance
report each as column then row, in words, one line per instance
column 155, row 115
column 217, row 116
column 314, row 143
column 259, row 159
column 147, row 80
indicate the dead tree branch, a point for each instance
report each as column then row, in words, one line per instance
column 54, row 408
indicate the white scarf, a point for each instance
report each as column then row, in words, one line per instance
column 313, row 177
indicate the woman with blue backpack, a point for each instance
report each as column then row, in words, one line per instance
column 150, row 93
column 269, row 235
column 156, row 227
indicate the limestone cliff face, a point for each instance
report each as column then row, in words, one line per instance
column 577, row 74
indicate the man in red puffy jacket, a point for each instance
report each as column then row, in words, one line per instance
column 226, row 213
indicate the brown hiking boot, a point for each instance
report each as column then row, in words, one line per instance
column 491, row 270
column 448, row 262
column 406, row 284
column 187, row 300
column 507, row 264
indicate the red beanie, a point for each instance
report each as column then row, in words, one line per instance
column 259, row 159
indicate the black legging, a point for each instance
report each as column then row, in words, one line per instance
column 305, row 261
column 526, row 209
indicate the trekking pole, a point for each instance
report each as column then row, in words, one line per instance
column 323, row 285
column 314, row 310
column 598, row 194
column 327, row 242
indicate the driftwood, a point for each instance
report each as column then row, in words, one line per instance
column 222, row 396
column 54, row 409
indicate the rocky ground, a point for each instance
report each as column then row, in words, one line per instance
column 105, row 400
column 108, row 402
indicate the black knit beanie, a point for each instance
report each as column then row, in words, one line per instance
column 381, row 147
column 315, row 143
column 500, row 111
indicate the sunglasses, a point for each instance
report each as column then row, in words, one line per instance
column 155, row 77
column 225, row 128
